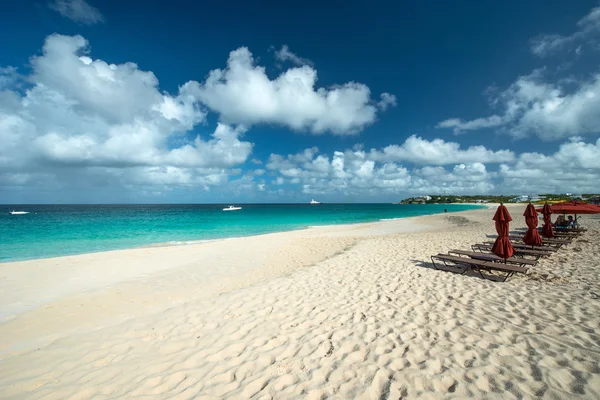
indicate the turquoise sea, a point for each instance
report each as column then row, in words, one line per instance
column 58, row 230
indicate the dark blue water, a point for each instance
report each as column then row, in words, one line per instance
column 57, row 230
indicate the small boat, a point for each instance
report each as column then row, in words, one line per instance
column 13, row 212
column 232, row 208
column 313, row 201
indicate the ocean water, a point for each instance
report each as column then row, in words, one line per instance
column 58, row 230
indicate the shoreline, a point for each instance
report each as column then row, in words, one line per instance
column 347, row 311
column 61, row 277
column 186, row 242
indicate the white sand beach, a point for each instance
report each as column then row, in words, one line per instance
column 344, row 312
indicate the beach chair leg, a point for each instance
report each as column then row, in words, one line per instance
column 447, row 266
column 502, row 277
column 507, row 276
column 481, row 274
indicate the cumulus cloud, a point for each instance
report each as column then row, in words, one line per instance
column 85, row 117
column 587, row 31
column 9, row 77
column 284, row 54
column 459, row 126
column 573, row 168
column 417, row 150
column 472, row 178
column 387, row 100
column 347, row 172
column 356, row 173
column 532, row 105
column 550, row 111
column 78, row 11
column 242, row 93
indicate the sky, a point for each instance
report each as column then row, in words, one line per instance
column 106, row 101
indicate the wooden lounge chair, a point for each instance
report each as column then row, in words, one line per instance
column 559, row 234
column 558, row 243
column 524, row 253
column 567, row 229
column 523, row 262
column 561, row 240
column 526, row 246
column 464, row 264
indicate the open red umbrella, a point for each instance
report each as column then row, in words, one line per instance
column 532, row 236
column 502, row 246
column 547, row 229
column 573, row 207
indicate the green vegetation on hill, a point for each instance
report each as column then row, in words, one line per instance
column 440, row 199
column 455, row 199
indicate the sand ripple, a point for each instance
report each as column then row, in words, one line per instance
column 373, row 321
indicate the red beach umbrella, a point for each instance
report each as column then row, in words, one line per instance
column 532, row 236
column 547, row 229
column 574, row 207
column 502, row 246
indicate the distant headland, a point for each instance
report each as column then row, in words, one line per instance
column 538, row 198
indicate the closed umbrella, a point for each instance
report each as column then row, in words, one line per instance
column 547, row 229
column 502, row 246
column 532, row 236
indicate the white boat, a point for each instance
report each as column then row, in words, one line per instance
column 13, row 212
column 313, row 201
column 232, row 208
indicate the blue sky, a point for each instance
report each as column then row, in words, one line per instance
column 106, row 101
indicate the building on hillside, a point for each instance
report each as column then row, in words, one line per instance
column 525, row 198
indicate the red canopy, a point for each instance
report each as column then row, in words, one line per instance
column 532, row 237
column 502, row 246
column 573, row 207
column 547, row 229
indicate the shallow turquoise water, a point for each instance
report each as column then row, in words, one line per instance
column 57, row 230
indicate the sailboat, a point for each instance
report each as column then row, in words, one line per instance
column 313, row 201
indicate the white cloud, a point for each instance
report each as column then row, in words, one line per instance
column 242, row 93
column 532, row 105
column 78, row 11
column 83, row 120
column 588, row 27
column 387, row 100
column 9, row 77
column 284, row 54
column 472, row 178
column 350, row 172
column 354, row 173
column 550, row 111
column 575, row 167
column 459, row 126
column 438, row 152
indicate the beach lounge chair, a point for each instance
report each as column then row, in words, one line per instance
column 561, row 240
column 523, row 262
column 567, row 229
column 524, row 253
column 465, row 263
column 557, row 234
column 546, row 248
column 558, row 243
